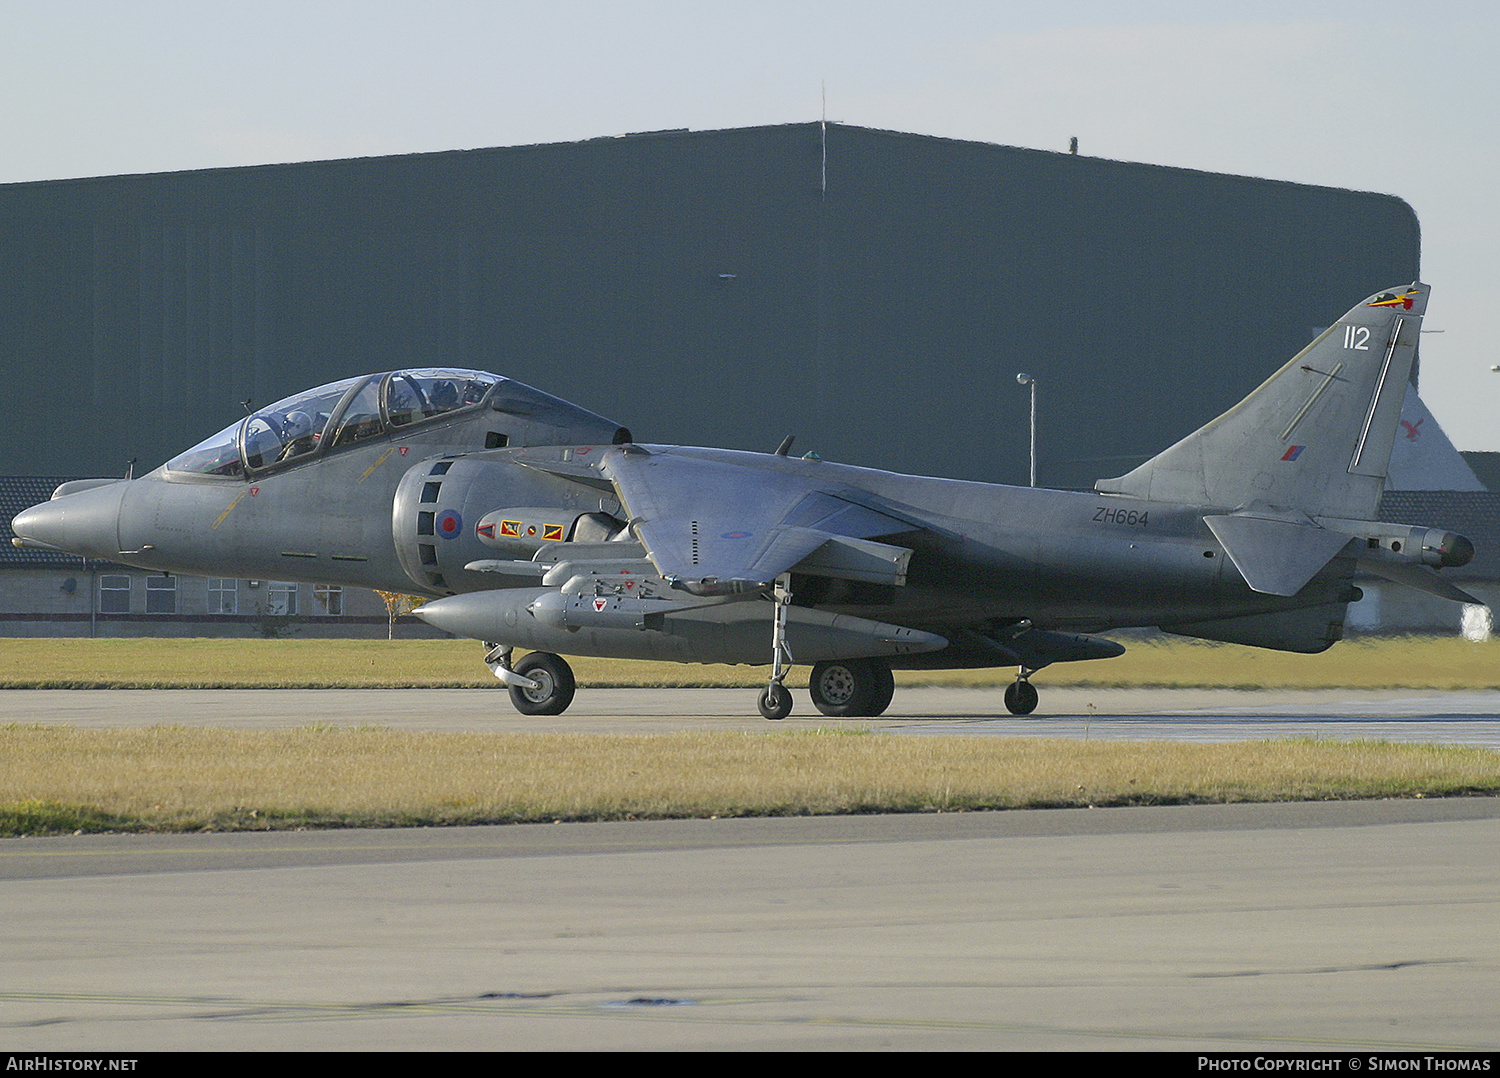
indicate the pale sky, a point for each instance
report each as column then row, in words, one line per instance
column 1396, row 97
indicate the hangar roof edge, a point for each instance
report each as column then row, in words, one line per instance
column 678, row 133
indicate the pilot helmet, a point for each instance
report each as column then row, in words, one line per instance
column 297, row 424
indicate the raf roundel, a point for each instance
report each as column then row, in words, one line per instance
column 449, row 524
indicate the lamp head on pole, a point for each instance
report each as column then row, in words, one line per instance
column 1024, row 379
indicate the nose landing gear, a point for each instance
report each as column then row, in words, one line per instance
column 540, row 684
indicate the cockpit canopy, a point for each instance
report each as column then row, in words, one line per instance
column 342, row 414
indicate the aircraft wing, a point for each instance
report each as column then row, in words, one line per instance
column 727, row 523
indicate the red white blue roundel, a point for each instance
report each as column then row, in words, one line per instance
column 449, row 524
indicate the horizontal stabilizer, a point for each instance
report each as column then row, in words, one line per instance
column 1275, row 556
column 1417, row 576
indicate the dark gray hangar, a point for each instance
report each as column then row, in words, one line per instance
column 873, row 292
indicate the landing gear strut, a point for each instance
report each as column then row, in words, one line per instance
column 775, row 701
column 1021, row 697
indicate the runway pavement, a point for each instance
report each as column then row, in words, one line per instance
column 1330, row 927
column 1470, row 718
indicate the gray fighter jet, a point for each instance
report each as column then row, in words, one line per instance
column 531, row 523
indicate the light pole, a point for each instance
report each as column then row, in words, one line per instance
column 1028, row 380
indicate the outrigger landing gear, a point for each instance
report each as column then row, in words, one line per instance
column 775, row 701
column 1021, row 697
column 540, row 684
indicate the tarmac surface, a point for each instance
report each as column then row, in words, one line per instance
column 1330, row 927
column 1469, row 718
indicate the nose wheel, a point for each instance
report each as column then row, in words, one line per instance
column 540, row 684
column 1021, row 696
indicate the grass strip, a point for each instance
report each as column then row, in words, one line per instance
column 58, row 779
column 1411, row 662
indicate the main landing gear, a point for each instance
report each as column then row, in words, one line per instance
column 540, row 684
column 850, row 688
column 1021, row 697
column 841, row 688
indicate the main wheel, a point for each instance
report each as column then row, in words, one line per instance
column 848, row 688
column 555, row 685
column 885, row 688
column 1021, row 698
column 775, row 702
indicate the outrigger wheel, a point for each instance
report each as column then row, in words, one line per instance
column 1021, row 696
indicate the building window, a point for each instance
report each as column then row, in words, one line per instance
column 223, row 595
column 281, row 598
column 114, row 595
column 330, row 598
column 161, row 595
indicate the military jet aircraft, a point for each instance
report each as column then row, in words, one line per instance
column 531, row 523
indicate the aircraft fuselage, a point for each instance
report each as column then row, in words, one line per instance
column 1064, row 560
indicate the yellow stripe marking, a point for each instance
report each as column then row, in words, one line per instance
column 378, row 462
column 230, row 506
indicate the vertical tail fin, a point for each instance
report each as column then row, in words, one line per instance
column 1315, row 437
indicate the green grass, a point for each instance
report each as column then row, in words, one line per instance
column 1417, row 662
column 59, row 779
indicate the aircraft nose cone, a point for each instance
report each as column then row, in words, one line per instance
column 462, row 615
column 86, row 523
column 38, row 526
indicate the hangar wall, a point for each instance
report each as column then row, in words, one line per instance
column 700, row 287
